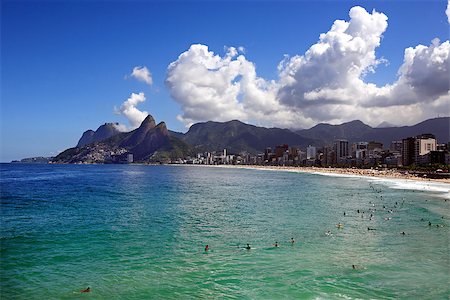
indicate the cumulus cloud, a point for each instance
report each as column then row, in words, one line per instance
column 331, row 71
column 129, row 110
column 325, row 84
column 142, row 74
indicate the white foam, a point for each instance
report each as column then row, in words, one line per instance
column 407, row 184
column 441, row 188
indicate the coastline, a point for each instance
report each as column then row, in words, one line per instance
column 341, row 172
column 393, row 179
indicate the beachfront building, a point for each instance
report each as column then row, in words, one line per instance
column 341, row 151
column 268, row 154
column 359, row 150
column 424, row 144
column 408, row 148
column 311, row 152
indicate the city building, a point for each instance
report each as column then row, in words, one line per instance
column 396, row 146
column 408, row 150
column 424, row 144
column 311, row 152
column 280, row 150
column 341, row 150
column 359, row 150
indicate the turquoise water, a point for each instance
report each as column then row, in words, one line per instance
column 139, row 232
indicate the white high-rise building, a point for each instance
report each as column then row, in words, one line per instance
column 311, row 152
column 424, row 144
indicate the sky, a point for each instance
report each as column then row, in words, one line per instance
column 70, row 66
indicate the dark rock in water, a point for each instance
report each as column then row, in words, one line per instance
column 104, row 132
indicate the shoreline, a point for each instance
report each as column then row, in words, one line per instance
column 342, row 172
column 395, row 180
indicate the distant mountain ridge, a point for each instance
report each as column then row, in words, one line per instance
column 105, row 131
column 356, row 131
column 150, row 139
column 237, row 137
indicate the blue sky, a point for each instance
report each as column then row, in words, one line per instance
column 66, row 65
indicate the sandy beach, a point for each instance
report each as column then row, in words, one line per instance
column 390, row 178
column 337, row 171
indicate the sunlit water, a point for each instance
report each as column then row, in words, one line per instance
column 139, row 232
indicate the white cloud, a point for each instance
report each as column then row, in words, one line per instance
column 447, row 11
column 142, row 74
column 121, row 127
column 326, row 84
column 129, row 110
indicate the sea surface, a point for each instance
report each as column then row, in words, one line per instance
column 139, row 232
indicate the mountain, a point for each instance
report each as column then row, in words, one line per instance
column 105, row 131
column 357, row 131
column 237, row 137
column 327, row 133
column 385, row 125
column 149, row 142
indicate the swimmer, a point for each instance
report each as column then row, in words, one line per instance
column 248, row 247
column 328, row 233
column 340, row 225
column 206, row 248
column 429, row 223
column 86, row 290
column 344, row 213
column 368, row 228
column 402, row 233
column 276, row 244
column 292, row 241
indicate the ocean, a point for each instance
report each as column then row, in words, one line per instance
column 139, row 232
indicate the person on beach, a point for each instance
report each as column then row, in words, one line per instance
column 206, row 248
column 86, row 290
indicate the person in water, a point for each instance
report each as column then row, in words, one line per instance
column 248, row 247
column 206, row 248
column 276, row 244
column 86, row 290
column 292, row 241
